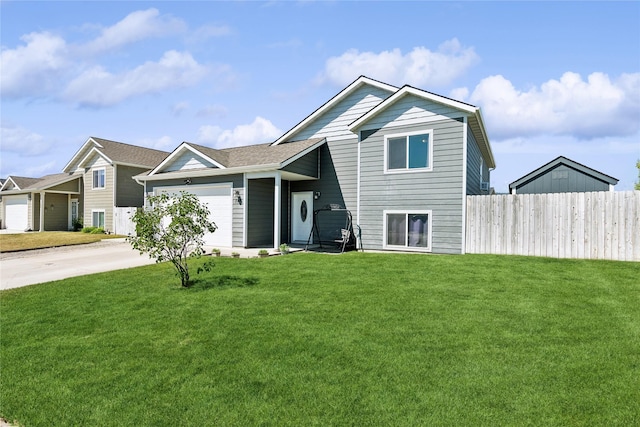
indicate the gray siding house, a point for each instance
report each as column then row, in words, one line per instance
column 562, row 175
column 401, row 160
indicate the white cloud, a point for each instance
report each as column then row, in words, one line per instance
column 209, row 134
column 16, row 139
column 259, row 131
column 32, row 69
column 597, row 107
column 136, row 26
column 163, row 143
column 420, row 67
column 47, row 66
column 96, row 87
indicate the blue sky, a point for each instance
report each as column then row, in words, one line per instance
column 551, row 78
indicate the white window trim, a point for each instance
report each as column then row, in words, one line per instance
column 406, row 248
column 105, row 218
column 93, row 187
column 407, row 135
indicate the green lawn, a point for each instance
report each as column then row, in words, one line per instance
column 48, row 239
column 307, row 339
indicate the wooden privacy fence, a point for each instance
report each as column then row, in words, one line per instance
column 596, row 225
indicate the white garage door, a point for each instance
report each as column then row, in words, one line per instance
column 218, row 200
column 16, row 212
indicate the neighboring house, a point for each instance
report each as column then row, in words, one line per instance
column 47, row 203
column 97, row 179
column 401, row 160
column 562, row 175
column 107, row 168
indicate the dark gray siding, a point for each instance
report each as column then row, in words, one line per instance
column 260, row 213
column 562, row 179
column 128, row 191
column 307, row 165
column 439, row 190
column 338, row 181
column 237, row 182
column 474, row 173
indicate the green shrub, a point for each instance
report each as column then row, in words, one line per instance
column 77, row 224
column 93, row 230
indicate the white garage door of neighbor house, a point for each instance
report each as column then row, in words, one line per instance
column 218, row 199
column 16, row 212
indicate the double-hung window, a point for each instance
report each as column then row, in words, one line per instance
column 99, row 178
column 407, row 230
column 409, row 152
column 97, row 218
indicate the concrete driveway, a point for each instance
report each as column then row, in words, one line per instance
column 44, row 265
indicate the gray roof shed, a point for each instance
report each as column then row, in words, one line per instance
column 562, row 175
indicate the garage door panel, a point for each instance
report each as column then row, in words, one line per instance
column 16, row 212
column 220, row 204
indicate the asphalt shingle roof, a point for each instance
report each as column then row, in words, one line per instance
column 255, row 155
column 47, row 181
column 120, row 152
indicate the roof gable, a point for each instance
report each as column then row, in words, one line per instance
column 561, row 160
column 190, row 156
column 236, row 159
column 20, row 183
column 473, row 114
column 333, row 102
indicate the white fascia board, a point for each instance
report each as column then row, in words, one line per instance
column 333, row 101
column 79, row 152
column 408, row 90
column 94, row 150
column 485, row 137
column 178, row 151
column 303, row 153
column 193, row 173
column 6, row 181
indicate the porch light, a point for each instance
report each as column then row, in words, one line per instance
column 316, row 195
column 236, row 195
column 187, row 181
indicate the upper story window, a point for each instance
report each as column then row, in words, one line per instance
column 99, row 178
column 410, row 152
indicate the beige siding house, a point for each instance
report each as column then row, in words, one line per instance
column 97, row 180
column 48, row 203
column 107, row 168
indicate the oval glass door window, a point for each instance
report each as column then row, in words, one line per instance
column 303, row 211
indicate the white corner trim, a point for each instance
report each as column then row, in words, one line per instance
column 465, row 143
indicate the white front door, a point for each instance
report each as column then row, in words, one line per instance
column 301, row 216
